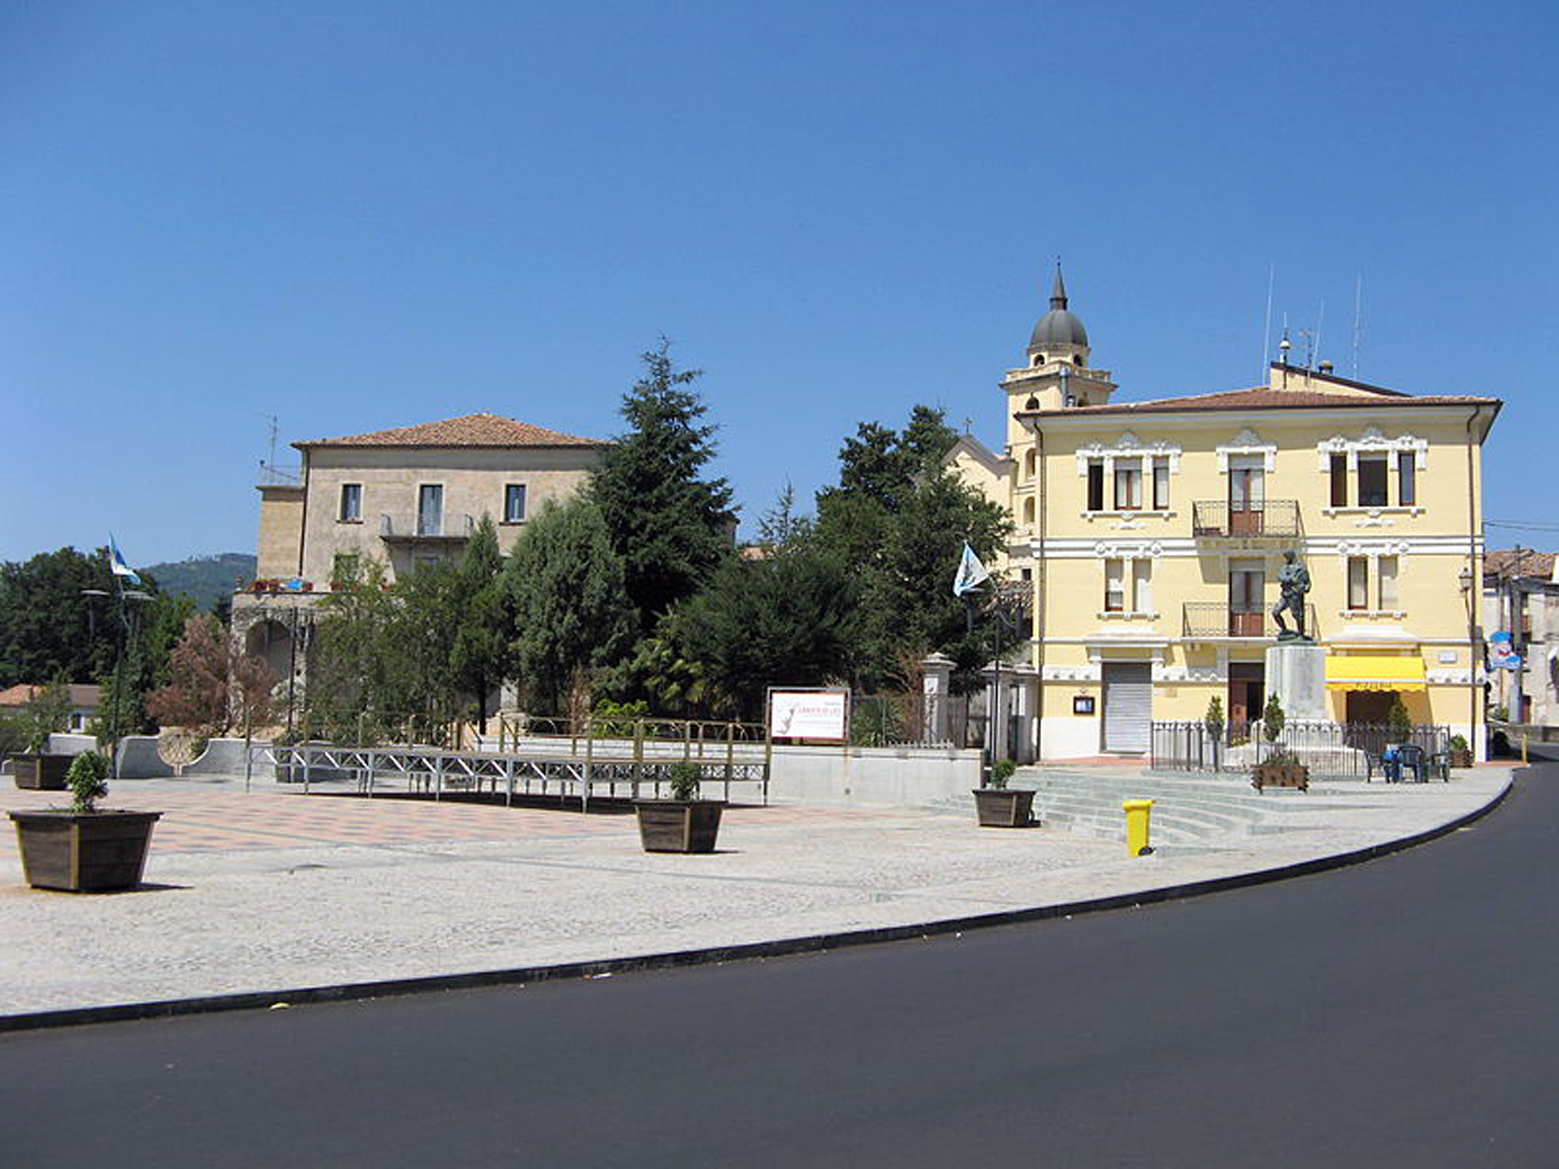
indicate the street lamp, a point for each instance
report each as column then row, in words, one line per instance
column 1465, row 579
column 126, row 632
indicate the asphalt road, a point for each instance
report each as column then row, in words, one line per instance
column 1400, row 1012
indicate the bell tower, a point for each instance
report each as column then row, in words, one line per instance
column 1058, row 376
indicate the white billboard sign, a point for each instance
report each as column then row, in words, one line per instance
column 809, row 714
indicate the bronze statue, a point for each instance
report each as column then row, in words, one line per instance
column 1294, row 582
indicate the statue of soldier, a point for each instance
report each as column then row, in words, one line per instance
column 1294, row 583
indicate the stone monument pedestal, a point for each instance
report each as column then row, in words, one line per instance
column 1296, row 673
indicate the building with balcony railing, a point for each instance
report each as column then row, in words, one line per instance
column 403, row 497
column 1152, row 532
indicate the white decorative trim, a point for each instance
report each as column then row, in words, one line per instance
column 1373, row 547
column 1192, row 674
column 1461, row 677
column 1088, row 673
column 1129, row 446
column 1128, row 550
column 1371, row 440
column 1124, row 615
column 1248, row 442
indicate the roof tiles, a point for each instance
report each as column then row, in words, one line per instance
column 469, row 430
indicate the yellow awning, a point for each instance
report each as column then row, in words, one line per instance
column 1374, row 672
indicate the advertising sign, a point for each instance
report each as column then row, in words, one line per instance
column 809, row 714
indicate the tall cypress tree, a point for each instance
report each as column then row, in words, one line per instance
column 670, row 526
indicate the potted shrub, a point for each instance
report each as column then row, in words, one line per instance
column 84, row 848
column 684, row 823
column 999, row 806
column 1281, row 767
column 1212, row 723
column 36, row 768
column 1461, row 753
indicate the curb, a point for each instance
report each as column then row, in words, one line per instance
column 810, row 944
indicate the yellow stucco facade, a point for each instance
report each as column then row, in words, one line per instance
column 1153, row 534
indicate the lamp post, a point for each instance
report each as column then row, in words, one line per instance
column 126, row 633
column 1465, row 579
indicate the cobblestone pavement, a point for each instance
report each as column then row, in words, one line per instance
column 272, row 890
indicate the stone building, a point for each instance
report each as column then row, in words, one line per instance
column 1151, row 534
column 1521, row 598
column 405, row 497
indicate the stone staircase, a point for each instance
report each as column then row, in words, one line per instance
column 1187, row 812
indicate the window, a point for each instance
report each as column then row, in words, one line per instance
column 1028, row 512
column 430, row 510
column 1095, row 484
column 1407, row 479
column 1387, row 566
column 1114, row 586
column 1160, row 484
column 1358, row 582
column 1339, row 480
column 345, row 568
column 514, row 503
column 1372, row 480
column 351, row 503
column 1128, row 486
column 1141, row 586
column 1028, row 465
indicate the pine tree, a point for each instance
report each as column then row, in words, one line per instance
column 670, row 526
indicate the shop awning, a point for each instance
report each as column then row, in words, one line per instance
column 1374, row 672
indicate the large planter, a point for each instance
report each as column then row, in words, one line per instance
column 84, row 852
column 678, row 825
column 1461, row 758
column 41, row 772
column 1004, row 807
column 1281, row 775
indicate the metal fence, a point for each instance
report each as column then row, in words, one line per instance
column 1330, row 750
column 915, row 720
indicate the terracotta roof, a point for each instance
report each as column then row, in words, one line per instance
column 1264, row 398
column 81, row 695
column 470, row 430
column 1518, row 561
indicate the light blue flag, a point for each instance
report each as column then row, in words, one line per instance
column 971, row 573
column 116, row 561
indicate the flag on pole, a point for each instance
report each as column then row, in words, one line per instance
column 116, row 561
column 970, row 572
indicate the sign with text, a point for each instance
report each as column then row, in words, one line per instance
column 809, row 714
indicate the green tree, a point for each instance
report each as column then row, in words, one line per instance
column 564, row 590
column 49, row 625
column 788, row 619
column 482, row 636
column 669, row 525
column 47, row 712
column 150, row 628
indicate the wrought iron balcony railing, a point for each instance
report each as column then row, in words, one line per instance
column 1215, row 619
column 1274, row 518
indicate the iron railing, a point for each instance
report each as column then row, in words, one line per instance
column 1330, row 750
column 1216, row 619
column 1276, row 518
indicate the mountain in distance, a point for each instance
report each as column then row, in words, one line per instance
column 204, row 579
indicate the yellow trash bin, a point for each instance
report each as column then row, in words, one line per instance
column 1137, row 814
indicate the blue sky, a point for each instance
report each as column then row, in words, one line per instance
column 361, row 215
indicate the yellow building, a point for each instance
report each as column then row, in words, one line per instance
column 1153, row 533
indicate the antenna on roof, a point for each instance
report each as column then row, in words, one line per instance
column 1319, row 317
column 1358, row 322
column 1266, row 332
column 1285, row 344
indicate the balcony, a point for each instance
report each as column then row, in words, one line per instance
column 426, row 530
column 1213, row 619
column 1269, row 519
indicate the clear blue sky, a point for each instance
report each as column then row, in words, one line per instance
column 361, row 215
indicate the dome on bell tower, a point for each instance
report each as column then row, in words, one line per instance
column 1059, row 329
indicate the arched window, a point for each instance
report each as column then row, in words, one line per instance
column 1077, row 359
column 1028, row 512
column 1039, row 359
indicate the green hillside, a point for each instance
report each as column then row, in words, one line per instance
column 204, row 579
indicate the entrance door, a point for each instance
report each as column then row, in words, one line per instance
column 1247, row 497
column 1247, row 694
column 1128, row 707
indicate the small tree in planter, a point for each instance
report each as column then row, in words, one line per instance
column 1461, row 753
column 47, row 711
column 1282, row 767
column 999, row 806
column 83, row 848
column 1399, row 727
column 1212, row 722
column 683, row 823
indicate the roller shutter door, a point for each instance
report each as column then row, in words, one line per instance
column 1128, row 707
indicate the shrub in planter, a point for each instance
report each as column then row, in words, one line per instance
column 1461, row 753
column 84, row 849
column 1281, row 767
column 997, row 805
column 684, row 823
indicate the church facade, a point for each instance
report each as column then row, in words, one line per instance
column 1152, row 536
